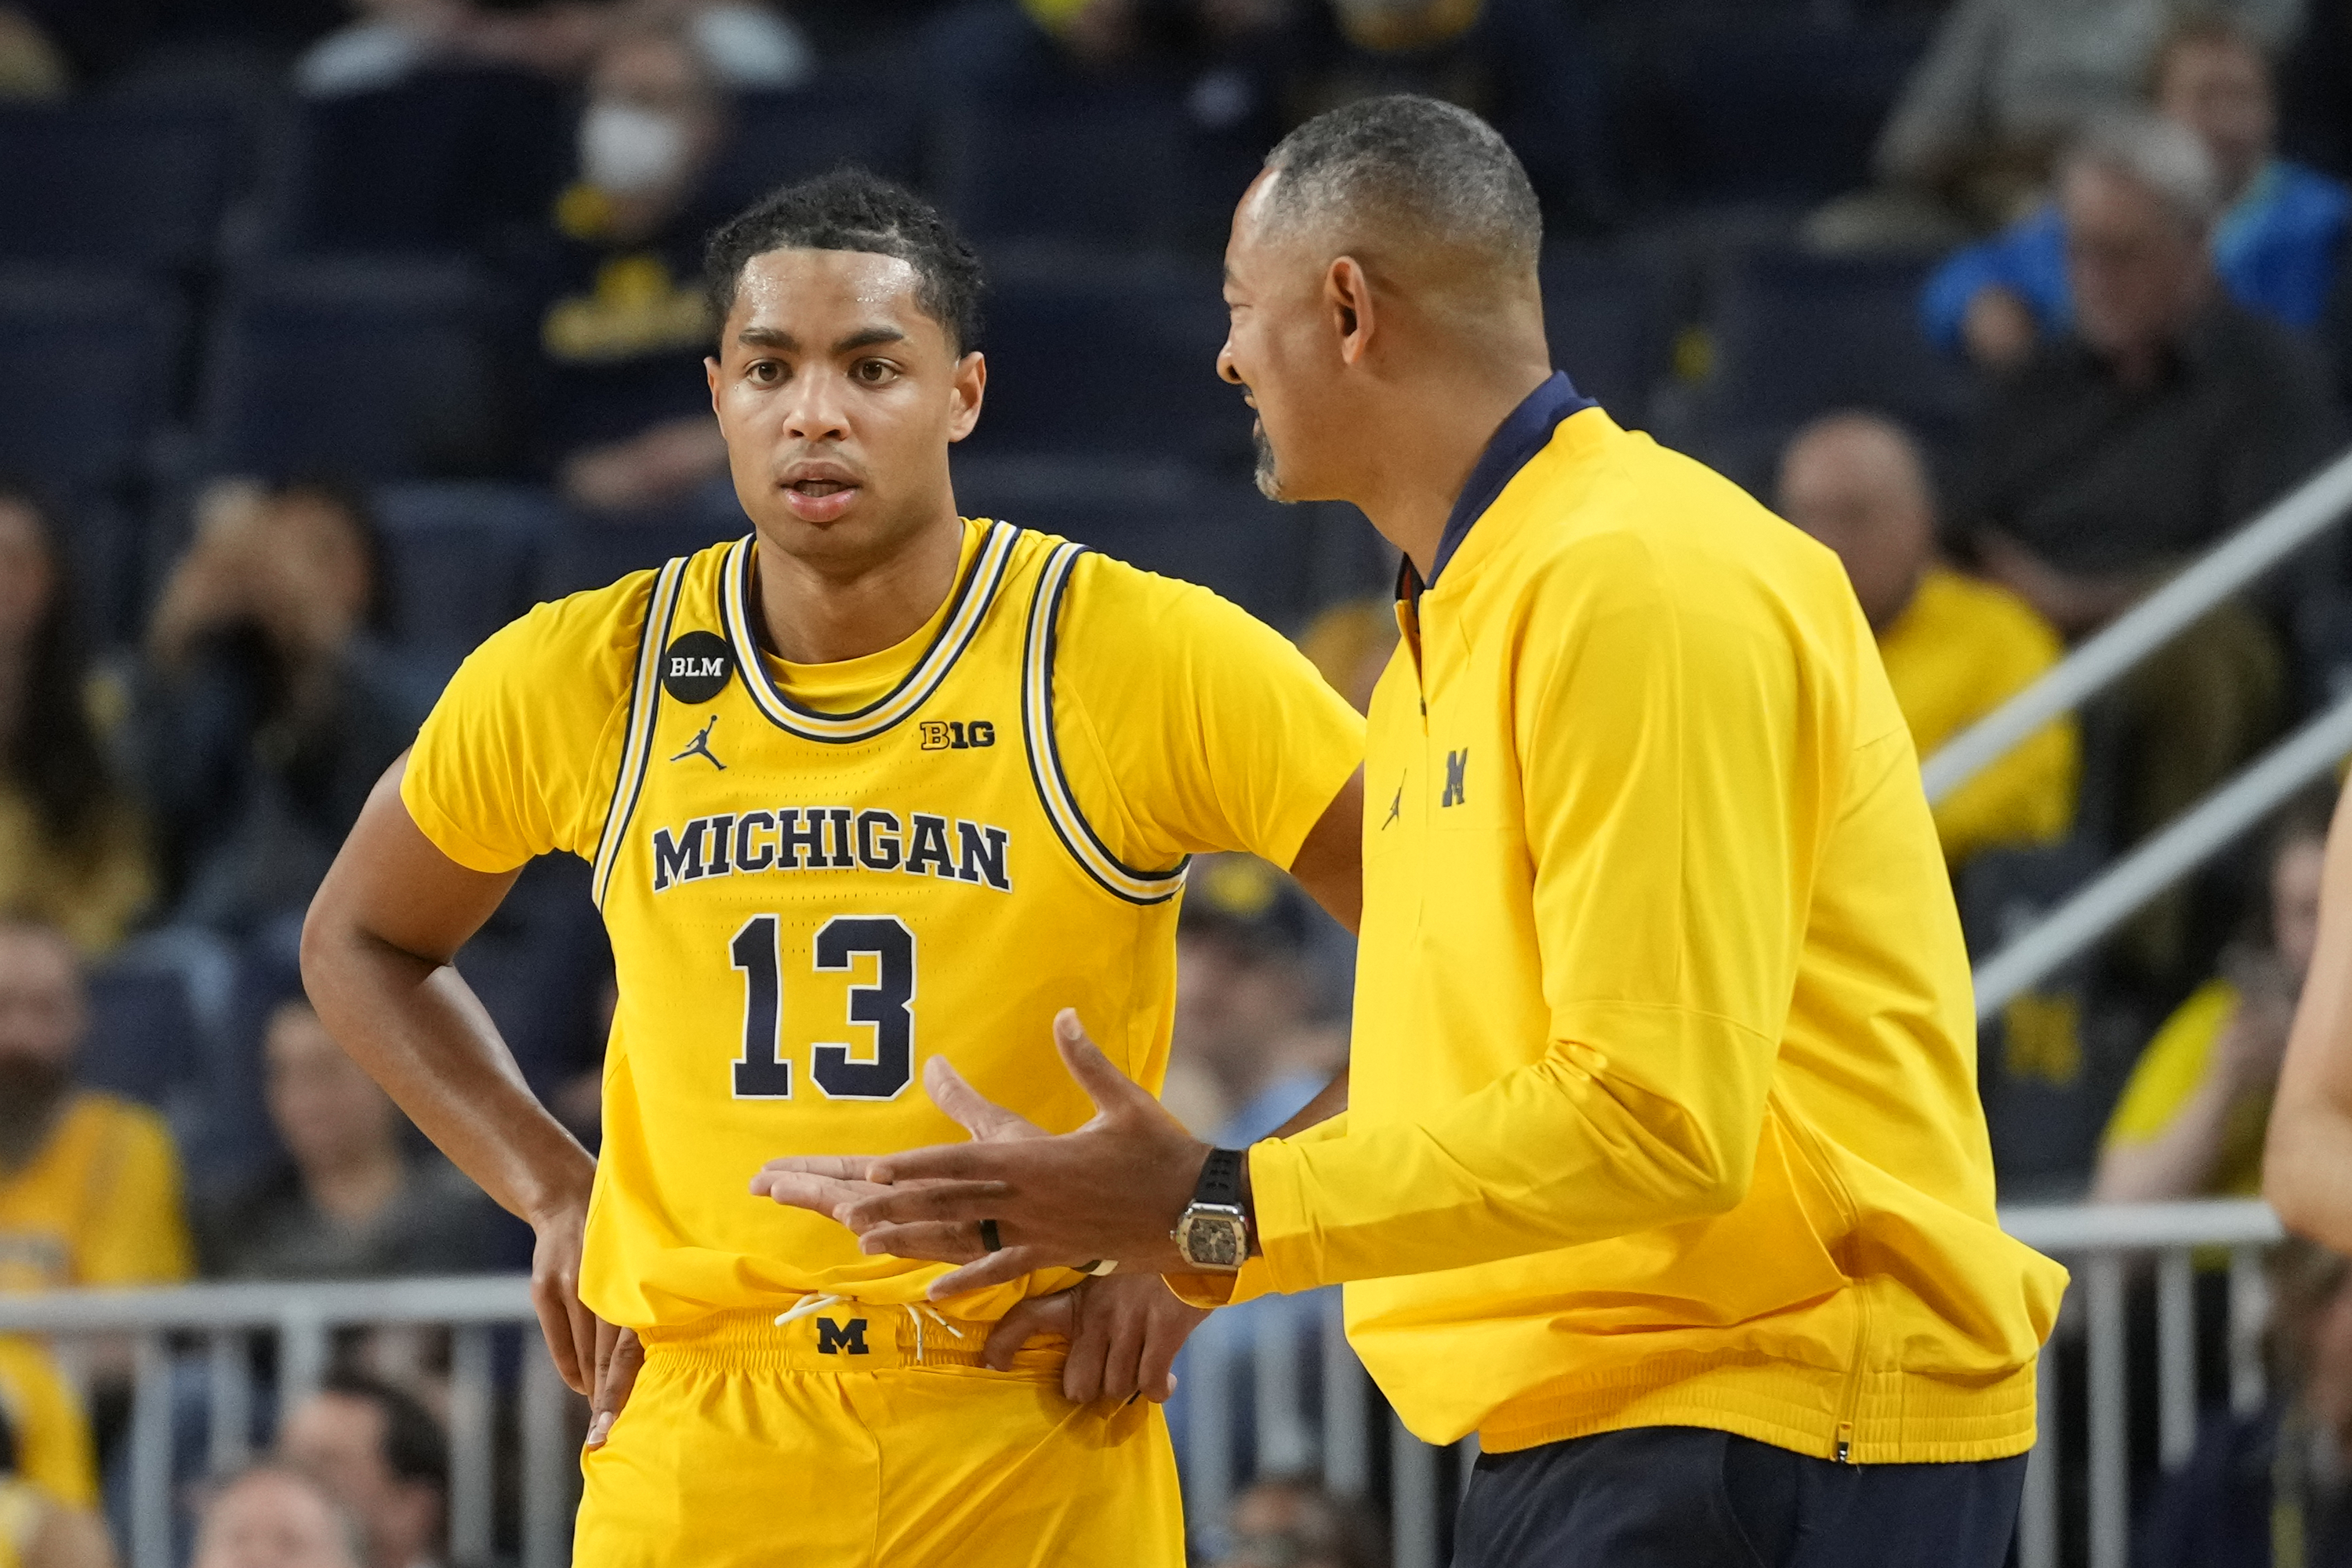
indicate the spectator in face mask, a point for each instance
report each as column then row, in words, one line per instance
column 623, row 411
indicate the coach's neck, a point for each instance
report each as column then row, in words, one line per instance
column 1441, row 374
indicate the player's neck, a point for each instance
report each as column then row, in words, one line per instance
column 823, row 612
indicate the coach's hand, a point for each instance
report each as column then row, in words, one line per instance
column 1114, row 1188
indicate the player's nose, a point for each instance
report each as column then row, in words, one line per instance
column 817, row 413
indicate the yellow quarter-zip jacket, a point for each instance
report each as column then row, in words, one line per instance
column 1663, row 1099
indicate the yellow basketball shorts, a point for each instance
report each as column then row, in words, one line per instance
column 868, row 1436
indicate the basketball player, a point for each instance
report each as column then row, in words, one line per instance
column 870, row 782
column 1662, row 1169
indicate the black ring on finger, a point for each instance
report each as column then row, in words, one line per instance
column 987, row 1236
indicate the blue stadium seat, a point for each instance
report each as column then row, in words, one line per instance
column 462, row 560
column 1111, row 166
column 1205, row 527
column 89, row 363
column 443, row 162
column 375, row 370
column 1799, row 334
column 779, row 137
column 144, row 1036
column 1606, row 317
column 1775, row 110
column 137, row 185
column 1097, row 355
column 589, row 551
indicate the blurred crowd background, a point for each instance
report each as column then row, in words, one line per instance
column 333, row 335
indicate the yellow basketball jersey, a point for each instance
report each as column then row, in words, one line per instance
column 804, row 904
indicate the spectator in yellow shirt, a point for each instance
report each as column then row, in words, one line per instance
column 45, row 1440
column 1955, row 648
column 89, row 1184
column 2192, row 1118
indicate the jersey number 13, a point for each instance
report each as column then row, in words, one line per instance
column 764, row 1072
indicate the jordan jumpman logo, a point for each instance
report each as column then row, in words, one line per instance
column 700, row 747
column 1396, row 809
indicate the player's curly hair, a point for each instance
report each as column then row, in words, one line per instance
column 853, row 209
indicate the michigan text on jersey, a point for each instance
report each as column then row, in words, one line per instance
column 831, row 838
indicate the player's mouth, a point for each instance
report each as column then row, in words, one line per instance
column 815, row 498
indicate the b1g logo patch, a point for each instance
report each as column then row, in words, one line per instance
column 952, row 735
column 697, row 667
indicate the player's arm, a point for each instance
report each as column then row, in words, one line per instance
column 376, row 958
column 2307, row 1161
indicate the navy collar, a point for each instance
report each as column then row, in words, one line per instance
column 1523, row 433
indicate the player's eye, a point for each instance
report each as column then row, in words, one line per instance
column 875, row 372
column 764, row 372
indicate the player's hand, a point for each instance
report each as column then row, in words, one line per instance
column 1124, row 1331
column 619, row 1358
column 571, row 1327
column 1114, row 1188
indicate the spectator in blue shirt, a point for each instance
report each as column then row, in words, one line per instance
column 2274, row 248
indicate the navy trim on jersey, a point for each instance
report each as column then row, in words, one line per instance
column 644, row 707
column 1040, row 642
column 967, row 609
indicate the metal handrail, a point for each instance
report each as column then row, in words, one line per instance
column 467, row 1298
column 2062, row 1228
column 2116, row 894
column 2295, row 520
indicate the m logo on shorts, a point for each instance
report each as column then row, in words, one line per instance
column 834, row 1339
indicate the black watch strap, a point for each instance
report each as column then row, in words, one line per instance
column 1221, row 1179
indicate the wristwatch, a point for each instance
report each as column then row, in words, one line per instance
column 1212, row 1233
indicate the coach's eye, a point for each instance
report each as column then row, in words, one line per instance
column 875, row 372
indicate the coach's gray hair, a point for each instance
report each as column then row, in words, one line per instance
column 1411, row 163
column 2163, row 157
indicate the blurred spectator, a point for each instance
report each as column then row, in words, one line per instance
column 37, row 1530
column 1294, row 1521
column 267, row 709
column 46, row 1444
column 1350, row 643
column 1245, row 997
column 73, row 850
column 33, row 68
column 2007, row 83
column 352, row 1203
column 2192, row 1119
column 2275, row 246
column 383, row 1457
column 89, row 1184
column 2165, row 418
column 272, row 1517
column 746, row 43
column 2267, row 1490
column 1955, row 648
column 620, row 315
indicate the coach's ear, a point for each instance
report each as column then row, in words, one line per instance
column 1348, row 297
column 970, row 386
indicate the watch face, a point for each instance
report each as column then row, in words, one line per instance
column 1215, row 1241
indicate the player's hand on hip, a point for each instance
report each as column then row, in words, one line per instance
column 1124, row 1331
column 571, row 1329
column 619, row 1358
column 1113, row 1189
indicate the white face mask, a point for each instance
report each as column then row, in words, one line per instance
column 626, row 151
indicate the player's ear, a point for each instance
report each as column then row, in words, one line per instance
column 969, row 387
column 1348, row 298
column 711, row 374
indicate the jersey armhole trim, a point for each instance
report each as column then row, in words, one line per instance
column 645, row 700
column 1039, row 644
